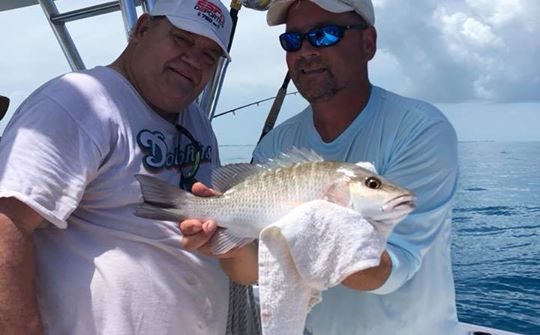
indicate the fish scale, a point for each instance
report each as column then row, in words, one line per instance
column 278, row 191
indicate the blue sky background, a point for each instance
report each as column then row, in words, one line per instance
column 477, row 60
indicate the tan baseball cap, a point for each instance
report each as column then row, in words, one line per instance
column 277, row 13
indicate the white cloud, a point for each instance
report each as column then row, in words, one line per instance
column 462, row 50
column 386, row 70
column 497, row 11
column 479, row 33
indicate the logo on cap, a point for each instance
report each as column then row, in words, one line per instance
column 210, row 12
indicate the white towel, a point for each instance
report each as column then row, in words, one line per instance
column 313, row 248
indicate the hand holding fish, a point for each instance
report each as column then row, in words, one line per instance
column 197, row 233
column 240, row 263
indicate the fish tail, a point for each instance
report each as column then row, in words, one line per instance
column 162, row 194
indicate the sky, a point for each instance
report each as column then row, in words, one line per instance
column 476, row 60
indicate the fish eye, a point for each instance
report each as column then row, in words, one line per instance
column 373, row 183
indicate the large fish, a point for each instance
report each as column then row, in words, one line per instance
column 255, row 196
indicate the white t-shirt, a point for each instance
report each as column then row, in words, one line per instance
column 71, row 152
column 411, row 143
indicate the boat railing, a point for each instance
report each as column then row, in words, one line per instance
column 58, row 21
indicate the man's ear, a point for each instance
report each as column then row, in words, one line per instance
column 370, row 42
column 141, row 27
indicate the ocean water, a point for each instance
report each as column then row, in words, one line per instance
column 496, row 245
column 496, row 248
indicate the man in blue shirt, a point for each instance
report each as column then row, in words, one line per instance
column 329, row 44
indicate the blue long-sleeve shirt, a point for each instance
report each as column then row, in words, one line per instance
column 412, row 144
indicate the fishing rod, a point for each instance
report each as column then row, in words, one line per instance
column 210, row 96
column 276, row 107
column 255, row 103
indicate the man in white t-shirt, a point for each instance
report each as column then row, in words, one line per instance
column 328, row 45
column 74, row 259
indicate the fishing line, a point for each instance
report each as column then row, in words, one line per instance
column 255, row 103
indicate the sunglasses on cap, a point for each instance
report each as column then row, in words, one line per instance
column 320, row 37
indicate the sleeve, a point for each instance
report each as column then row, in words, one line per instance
column 46, row 159
column 427, row 164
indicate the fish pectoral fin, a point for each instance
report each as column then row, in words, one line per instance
column 339, row 193
column 223, row 241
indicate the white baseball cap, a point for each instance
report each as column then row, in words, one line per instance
column 209, row 18
column 277, row 13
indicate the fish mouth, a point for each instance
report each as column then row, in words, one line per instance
column 402, row 203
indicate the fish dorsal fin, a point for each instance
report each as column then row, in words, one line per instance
column 227, row 176
column 293, row 156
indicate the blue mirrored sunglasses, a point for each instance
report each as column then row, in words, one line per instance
column 319, row 37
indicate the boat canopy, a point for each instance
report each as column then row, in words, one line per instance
column 14, row 4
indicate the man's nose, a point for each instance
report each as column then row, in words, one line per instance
column 193, row 58
column 307, row 50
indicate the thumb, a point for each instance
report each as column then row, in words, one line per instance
column 202, row 190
